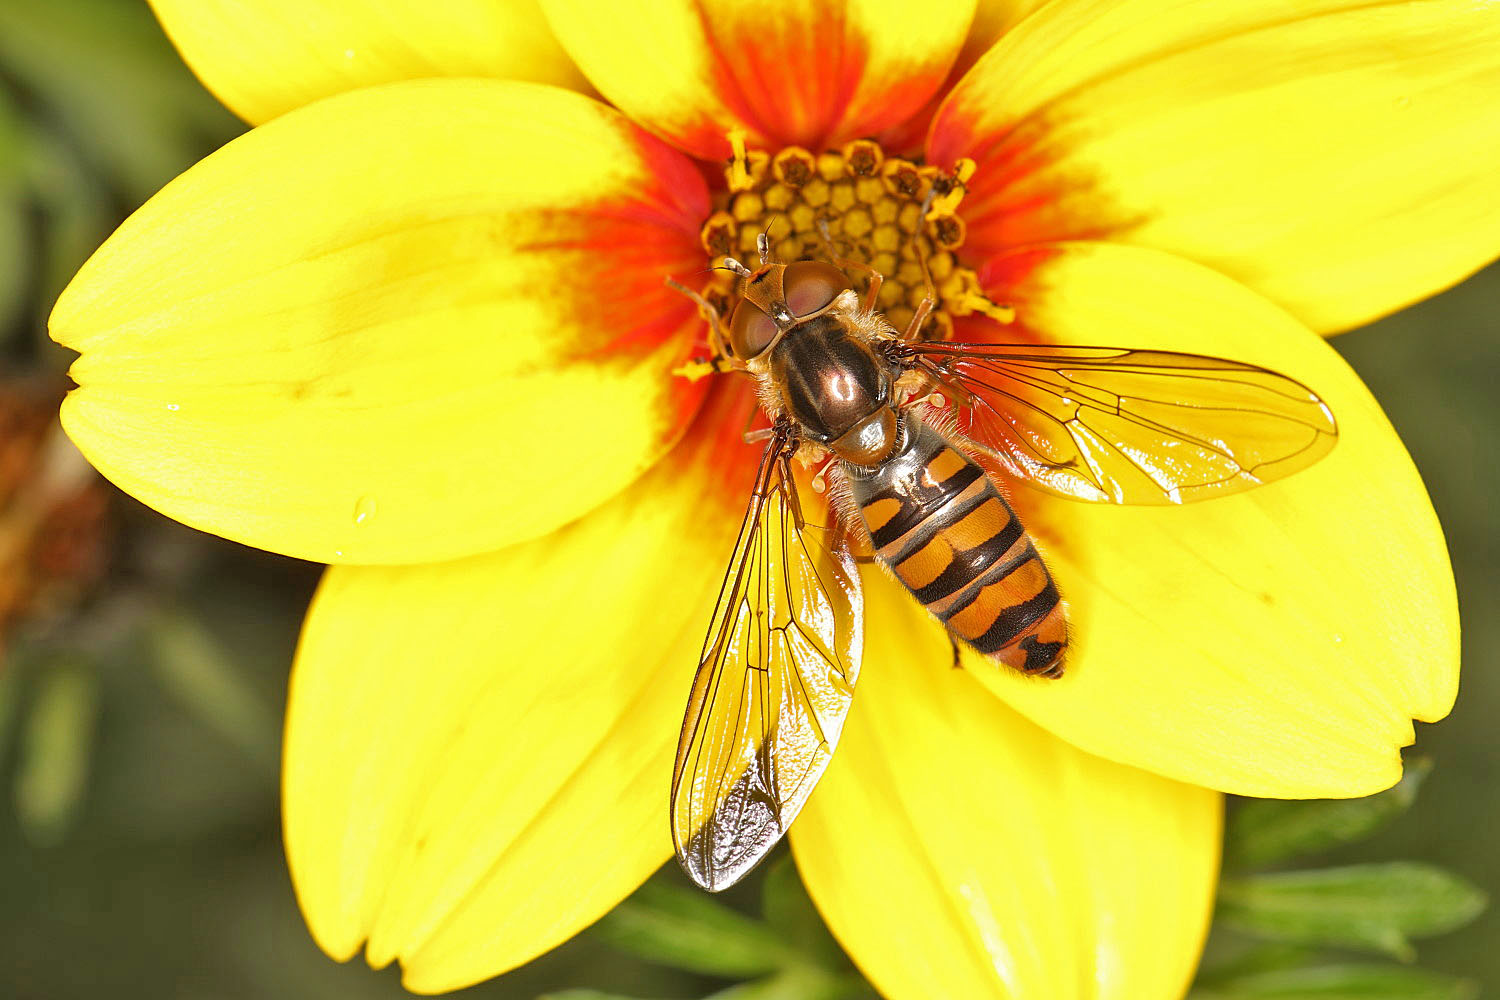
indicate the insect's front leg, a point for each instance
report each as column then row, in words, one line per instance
column 876, row 279
column 721, row 359
column 924, row 308
column 913, row 330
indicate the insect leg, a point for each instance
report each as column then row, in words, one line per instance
column 872, row 293
column 722, row 360
column 929, row 295
column 926, row 376
column 788, row 485
column 924, row 309
column 954, row 390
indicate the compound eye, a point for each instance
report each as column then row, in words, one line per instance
column 750, row 331
column 810, row 285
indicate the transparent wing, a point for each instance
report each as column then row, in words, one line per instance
column 1132, row 427
column 773, row 684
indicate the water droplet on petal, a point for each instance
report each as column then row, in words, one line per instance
column 338, row 552
column 348, row 53
column 364, row 510
column 172, row 407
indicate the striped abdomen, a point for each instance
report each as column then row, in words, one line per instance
column 941, row 526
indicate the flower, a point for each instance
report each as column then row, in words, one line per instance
column 418, row 329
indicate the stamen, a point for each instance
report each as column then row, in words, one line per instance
column 863, row 158
column 746, row 169
column 696, row 370
column 857, row 203
column 794, row 166
column 950, row 191
column 974, row 303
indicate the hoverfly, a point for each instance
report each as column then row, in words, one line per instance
column 909, row 482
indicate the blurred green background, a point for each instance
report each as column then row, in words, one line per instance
column 140, row 851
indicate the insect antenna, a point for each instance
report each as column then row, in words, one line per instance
column 733, row 267
column 763, row 245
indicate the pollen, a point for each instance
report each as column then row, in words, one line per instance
column 896, row 216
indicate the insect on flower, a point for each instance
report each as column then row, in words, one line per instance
column 913, row 439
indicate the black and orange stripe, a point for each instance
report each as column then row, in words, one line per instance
column 941, row 526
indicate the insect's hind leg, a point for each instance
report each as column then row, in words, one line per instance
column 953, row 644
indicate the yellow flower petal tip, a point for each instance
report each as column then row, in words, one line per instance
column 813, row 74
column 1023, row 866
column 273, row 56
column 1337, row 157
column 470, row 776
column 463, row 820
column 1275, row 643
column 390, row 304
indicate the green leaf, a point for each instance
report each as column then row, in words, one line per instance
column 10, row 698
column 12, row 140
column 1372, row 907
column 790, row 914
column 194, row 669
column 685, row 928
column 799, row 982
column 57, row 739
column 585, row 995
column 15, row 262
column 1248, row 958
column 1342, row 982
column 107, row 73
column 1265, row 831
column 76, row 210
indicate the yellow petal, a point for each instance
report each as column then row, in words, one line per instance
column 478, row 753
column 1339, row 159
column 266, row 57
column 408, row 323
column 812, row 74
column 992, row 19
column 1276, row 643
column 1002, row 862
